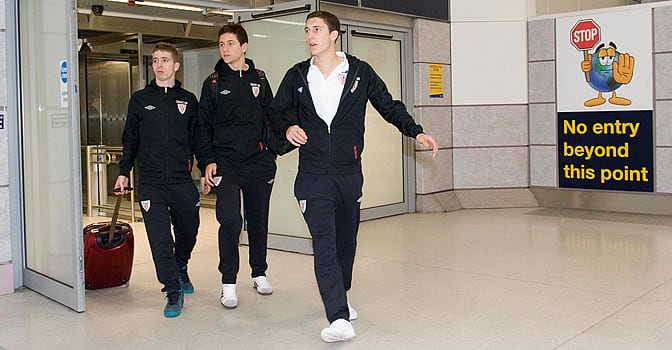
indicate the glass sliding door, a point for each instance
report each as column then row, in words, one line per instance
column 383, row 157
column 50, row 146
column 268, row 38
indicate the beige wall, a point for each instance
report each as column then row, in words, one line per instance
column 483, row 123
column 547, row 7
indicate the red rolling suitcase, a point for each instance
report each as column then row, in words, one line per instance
column 108, row 254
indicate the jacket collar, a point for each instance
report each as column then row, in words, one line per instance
column 303, row 66
column 224, row 68
column 177, row 85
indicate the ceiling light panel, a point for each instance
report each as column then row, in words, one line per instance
column 163, row 5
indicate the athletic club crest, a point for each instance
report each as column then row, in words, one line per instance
column 145, row 205
column 302, row 205
column 354, row 85
column 181, row 106
column 341, row 78
column 255, row 89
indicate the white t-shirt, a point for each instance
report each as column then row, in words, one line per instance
column 326, row 93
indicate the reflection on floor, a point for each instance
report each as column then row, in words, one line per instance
column 472, row 279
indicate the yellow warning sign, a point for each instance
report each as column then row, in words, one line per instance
column 435, row 81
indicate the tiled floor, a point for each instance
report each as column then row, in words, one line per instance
column 472, row 279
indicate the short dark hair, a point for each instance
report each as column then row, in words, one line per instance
column 329, row 18
column 236, row 29
column 166, row 47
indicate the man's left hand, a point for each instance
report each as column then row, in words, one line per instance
column 428, row 141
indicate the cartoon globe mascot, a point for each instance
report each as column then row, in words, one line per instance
column 607, row 70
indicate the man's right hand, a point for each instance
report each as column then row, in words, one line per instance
column 121, row 186
column 296, row 136
column 210, row 171
column 205, row 187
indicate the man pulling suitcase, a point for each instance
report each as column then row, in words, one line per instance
column 160, row 132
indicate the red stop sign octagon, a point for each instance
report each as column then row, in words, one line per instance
column 585, row 34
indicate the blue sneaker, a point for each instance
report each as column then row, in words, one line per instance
column 174, row 304
column 185, row 282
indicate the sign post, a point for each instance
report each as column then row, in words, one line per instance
column 583, row 36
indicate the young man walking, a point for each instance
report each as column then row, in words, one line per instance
column 160, row 132
column 233, row 109
column 329, row 93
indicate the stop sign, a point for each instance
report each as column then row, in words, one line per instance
column 585, row 34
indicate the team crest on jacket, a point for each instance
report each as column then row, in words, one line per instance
column 302, row 205
column 255, row 89
column 181, row 106
column 146, row 205
column 354, row 85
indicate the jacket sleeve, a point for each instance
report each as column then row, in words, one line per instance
column 130, row 139
column 393, row 111
column 205, row 129
column 282, row 108
column 268, row 96
column 193, row 134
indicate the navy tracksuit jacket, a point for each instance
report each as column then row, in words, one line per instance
column 328, row 186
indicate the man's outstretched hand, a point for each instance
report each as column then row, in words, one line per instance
column 428, row 141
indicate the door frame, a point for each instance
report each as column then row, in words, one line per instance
column 404, row 36
column 14, row 146
column 70, row 296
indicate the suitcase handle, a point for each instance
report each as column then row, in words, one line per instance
column 104, row 243
column 115, row 214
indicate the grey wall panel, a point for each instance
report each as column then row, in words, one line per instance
column 434, row 175
column 541, row 40
column 662, row 29
column 431, row 41
column 496, row 198
column 663, row 179
column 663, row 76
column 477, row 126
column 436, row 121
column 543, row 166
column 491, row 167
column 663, row 127
column 543, row 123
column 541, row 82
column 437, row 202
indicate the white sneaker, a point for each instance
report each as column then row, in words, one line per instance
column 229, row 298
column 353, row 313
column 339, row 330
column 262, row 286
